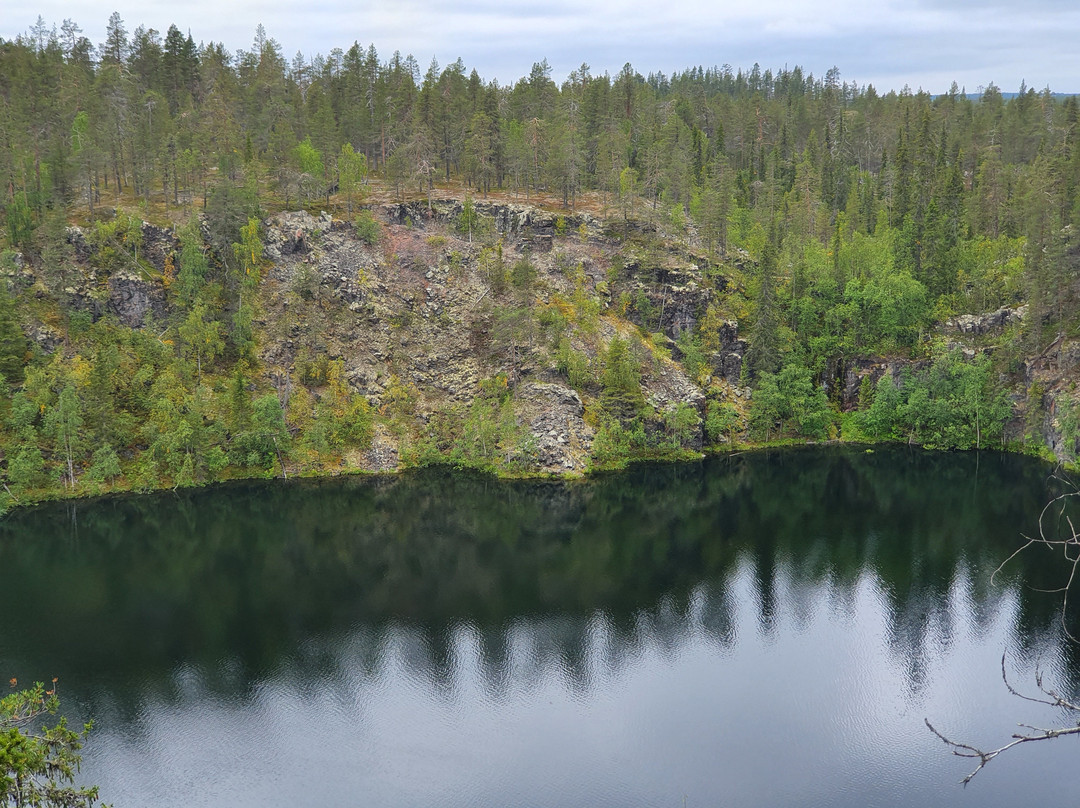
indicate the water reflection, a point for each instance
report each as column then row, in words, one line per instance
column 765, row 629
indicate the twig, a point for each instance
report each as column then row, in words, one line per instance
column 1033, row 733
column 1069, row 546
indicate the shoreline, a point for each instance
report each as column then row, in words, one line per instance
column 684, row 457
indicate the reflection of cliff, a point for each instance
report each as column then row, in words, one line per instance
column 252, row 571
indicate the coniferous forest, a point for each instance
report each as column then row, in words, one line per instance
column 222, row 264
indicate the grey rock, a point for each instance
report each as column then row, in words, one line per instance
column 986, row 323
column 132, row 298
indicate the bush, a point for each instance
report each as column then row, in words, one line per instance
column 367, row 229
column 789, row 402
column 721, row 420
column 683, row 426
column 26, row 469
column 615, row 445
column 104, row 465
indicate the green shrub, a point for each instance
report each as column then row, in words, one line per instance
column 367, row 229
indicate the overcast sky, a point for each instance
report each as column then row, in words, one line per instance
column 924, row 44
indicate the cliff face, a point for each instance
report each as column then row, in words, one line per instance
column 429, row 311
column 513, row 320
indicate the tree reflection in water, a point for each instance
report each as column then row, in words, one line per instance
column 473, row 588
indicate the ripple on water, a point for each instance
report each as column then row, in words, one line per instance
column 753, row 633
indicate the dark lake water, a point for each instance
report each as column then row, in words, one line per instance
column 769, row 629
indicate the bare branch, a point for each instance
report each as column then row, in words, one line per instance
column 1069, row 546
column 985, row 756
column 1018, row 551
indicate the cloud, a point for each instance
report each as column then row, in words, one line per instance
column 889, row 43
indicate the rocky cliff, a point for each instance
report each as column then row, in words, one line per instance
column 421, row 311
column 427, row 317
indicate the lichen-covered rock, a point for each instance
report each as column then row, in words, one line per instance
column 383, row 455
column 986, row 323
column 44, row 336
column 555, row 416
column 159, row 243
column 133, row 298
column 727, row 360
column 76, row 237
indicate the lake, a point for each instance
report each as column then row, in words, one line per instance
column 766, row 629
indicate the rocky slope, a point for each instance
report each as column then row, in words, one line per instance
column 419, row 311
column 426, row 318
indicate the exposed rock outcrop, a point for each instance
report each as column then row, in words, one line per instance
column 555, row 417
column 727, row 361
column 990, row 322
column 415, row 318
column 522, row 223
column 133, row 298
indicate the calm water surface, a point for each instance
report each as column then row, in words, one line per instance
column 764, row 630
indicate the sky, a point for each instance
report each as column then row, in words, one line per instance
column 921, row 44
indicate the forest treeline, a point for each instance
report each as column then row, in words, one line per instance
column 961, row 189
column 865, row 218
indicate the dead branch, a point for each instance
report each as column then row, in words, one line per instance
column 984, row 756
column 1067, row 543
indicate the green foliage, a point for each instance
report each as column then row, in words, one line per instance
column 352, row 174
column 104, row 465
column 247, row 265
column 683, row 426
column 523, row 277
column 492, row 267
column 312, row 173
column 38, row 762
column 885, row 311
column 491, row 438
column 574, row 365
column 693, row 358
column 469, row 219
column 621, row 381
column 14, row 346
column 116, row 244
column 953, row 404
column 248, row 253
column 340, row 419
column 1068, row 420
column 367, row 229
column 19, row 220
column 763, row 356
column 991, row 273
column 194, row 266
column 229, row 207
column 263, row 435
column 201, row 335
column 721, row 421
column 788, row 403
column 26, row 468
column 614, row 444
column 63, row 423
column 58, row 266
column 628, row 188
column 882, row 421
column 349, row 413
